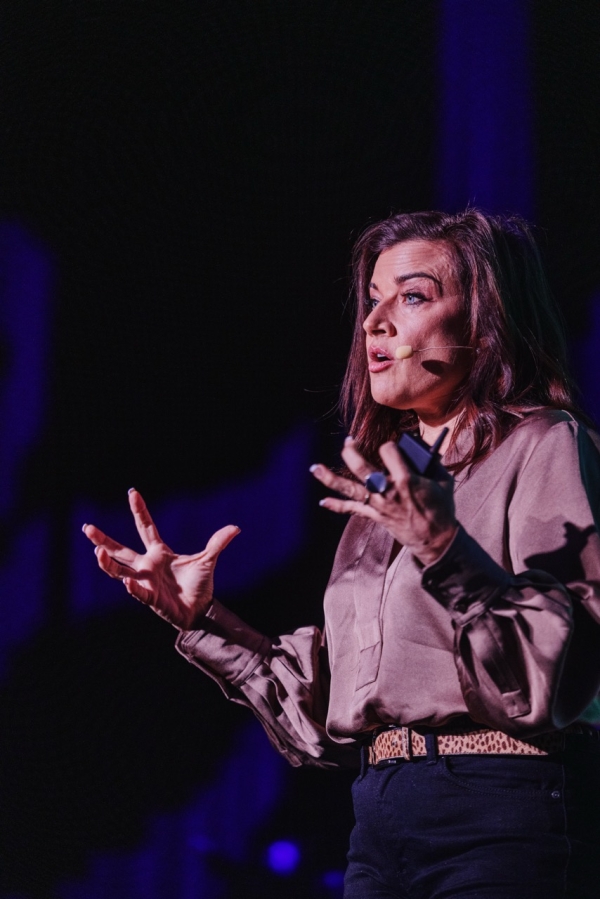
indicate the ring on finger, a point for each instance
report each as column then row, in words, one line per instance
column 377, row 482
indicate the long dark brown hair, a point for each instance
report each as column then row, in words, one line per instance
column 514, row 325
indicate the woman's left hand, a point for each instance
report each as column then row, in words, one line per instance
column 418, row 512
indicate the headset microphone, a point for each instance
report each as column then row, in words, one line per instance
column 406, row 351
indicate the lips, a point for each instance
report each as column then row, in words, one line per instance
column 379, row 358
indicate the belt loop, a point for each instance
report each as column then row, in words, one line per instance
column 364, row 760
column 405, row 734
column 432, row 749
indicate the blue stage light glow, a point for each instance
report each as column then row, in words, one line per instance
column 283, row 857
column 334, row 881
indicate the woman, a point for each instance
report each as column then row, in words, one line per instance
column 461, row 651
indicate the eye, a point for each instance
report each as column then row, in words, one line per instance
column 414, row 298
column 370, row 303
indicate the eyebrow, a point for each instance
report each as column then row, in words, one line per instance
column 400, row 279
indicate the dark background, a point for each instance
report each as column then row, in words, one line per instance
column 198, row 172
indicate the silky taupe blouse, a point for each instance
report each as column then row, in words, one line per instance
column 503, row 628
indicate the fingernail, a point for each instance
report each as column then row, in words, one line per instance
column 322, row 502
column 131, row 489
column 83, row 527
column 96, row 550
column 349, row 439
column 313, row 468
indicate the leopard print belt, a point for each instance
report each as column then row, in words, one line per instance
column 405, row 743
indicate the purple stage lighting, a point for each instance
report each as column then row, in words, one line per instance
column 283, row 857
column 333, row 881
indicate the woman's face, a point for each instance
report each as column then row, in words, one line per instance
column 416, row 300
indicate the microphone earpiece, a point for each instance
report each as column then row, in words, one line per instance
column 406, row 351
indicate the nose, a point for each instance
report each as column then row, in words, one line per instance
column 378, row 322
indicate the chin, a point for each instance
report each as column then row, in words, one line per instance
column 390, row 400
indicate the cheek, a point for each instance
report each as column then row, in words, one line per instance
column 458, row 324
column 449, row 332
column 435, row 330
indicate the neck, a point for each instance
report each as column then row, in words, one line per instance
column 429, row 430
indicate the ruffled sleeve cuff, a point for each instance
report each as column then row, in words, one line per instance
column 224, row 647
column 465, row 578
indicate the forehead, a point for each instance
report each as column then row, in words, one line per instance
column 420, row 257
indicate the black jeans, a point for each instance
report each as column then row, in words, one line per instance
column 499, row 827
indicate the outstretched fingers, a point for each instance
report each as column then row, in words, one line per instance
column 399, row 471
column 352, row 489
column 135, row 589
column 112, row 566
column 143, row 520
column 350, row 506
column 117, row 550
column 355, row 462
column 219, row 540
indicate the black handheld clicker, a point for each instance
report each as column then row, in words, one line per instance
column 421, row 458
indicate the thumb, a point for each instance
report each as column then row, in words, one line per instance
column 220, row 540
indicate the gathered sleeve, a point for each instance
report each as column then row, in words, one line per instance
column 285, row 681
column 527, row 633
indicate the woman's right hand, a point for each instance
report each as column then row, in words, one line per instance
column 178, row 588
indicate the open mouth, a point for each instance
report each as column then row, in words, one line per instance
column 379, row 359
column 378, row 354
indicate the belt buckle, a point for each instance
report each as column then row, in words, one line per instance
column 389, row 760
